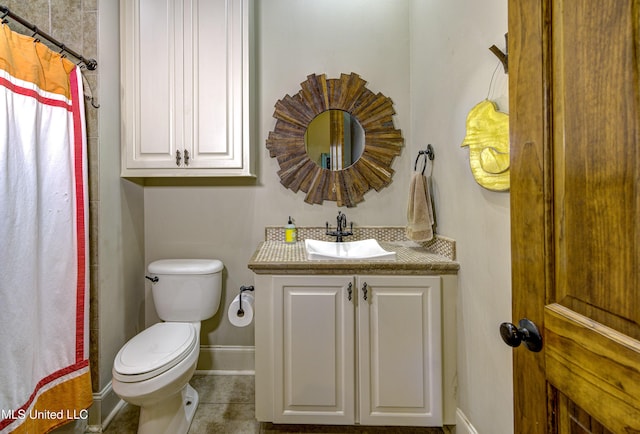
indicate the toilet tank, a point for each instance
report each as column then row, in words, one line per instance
column 186, row 290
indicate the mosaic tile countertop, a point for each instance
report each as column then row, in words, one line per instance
column 273, row 256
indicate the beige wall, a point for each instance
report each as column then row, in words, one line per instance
column 120, row 212
column 451, row 72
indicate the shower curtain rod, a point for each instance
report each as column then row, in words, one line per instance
column 91, row 64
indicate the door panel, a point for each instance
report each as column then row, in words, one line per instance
column 596, row 170
column 217, row 127
column 158, row 138
column 574, row 420
column 575, row 201
column 314, row 370
column 593, row 365
column 594, row 319
column 399, row 347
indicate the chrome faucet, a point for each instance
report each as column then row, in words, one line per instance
column 340, row 228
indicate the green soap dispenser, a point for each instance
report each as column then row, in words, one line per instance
column 290, row 232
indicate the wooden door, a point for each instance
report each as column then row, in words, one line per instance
column 400, row 350
column 574, row 70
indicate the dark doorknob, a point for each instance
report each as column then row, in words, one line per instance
column 526, row 332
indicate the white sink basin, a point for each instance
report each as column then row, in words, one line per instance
column 364, row 249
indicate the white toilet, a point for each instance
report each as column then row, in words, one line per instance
column 153, row 369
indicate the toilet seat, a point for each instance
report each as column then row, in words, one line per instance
column 154, row 351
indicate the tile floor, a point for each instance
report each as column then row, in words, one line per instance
column 227, row 406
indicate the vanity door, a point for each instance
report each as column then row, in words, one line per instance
column 399, row 350
column 314, row 345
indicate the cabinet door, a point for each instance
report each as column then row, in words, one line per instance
column 314, row 346
column 399, row 350
column 152, row 80
column 185, row 76
column 217, row 108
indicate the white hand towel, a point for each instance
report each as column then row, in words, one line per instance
column 420, row 210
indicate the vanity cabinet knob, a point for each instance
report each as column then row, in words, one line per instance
column 178, row 158
column 350, row 290
column 186, row 157
column 364, row 291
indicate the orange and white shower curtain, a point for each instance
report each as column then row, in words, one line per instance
column 44, row 290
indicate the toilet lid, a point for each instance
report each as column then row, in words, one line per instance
column 156, row 349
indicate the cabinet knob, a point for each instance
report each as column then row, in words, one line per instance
column 186, row 157
column 364, row 291
column 350, row 290
column 178, row 158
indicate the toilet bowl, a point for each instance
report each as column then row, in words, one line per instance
column 153, row 369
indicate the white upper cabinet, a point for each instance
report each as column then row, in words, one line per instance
column 185, row 83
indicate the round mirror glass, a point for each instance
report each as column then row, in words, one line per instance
column 334, row 139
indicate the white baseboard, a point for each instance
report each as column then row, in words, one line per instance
column 226, row 360
column 106, row 405
column 463, row 426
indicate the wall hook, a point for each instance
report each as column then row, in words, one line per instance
column 504, row 57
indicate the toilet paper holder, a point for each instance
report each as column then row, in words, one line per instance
column 243, row 289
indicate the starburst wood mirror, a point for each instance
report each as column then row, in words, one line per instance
column 370, row 113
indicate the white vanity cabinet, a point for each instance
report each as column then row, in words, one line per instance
column 185, row 88
column 345, row 349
